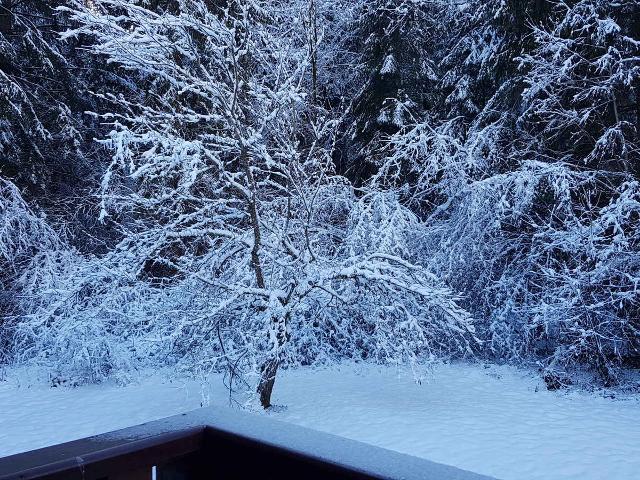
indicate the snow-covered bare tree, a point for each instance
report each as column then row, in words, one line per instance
column 222, row 181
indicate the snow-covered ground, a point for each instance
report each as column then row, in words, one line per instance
column 498, row 421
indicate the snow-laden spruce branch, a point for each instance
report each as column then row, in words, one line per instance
column 535, row 218
column 22, row 232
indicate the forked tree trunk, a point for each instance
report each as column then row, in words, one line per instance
column 267, row 379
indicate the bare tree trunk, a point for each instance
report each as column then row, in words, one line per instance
column 267, row 379
column 614, row 101
column 312, row 35
column 269, row 368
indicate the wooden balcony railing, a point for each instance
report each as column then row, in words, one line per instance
column 214, row 443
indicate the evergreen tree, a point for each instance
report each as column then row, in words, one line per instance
column 47, row 85
column 399, row 44
column 581, row 104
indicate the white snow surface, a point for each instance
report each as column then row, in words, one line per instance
column 493, row 420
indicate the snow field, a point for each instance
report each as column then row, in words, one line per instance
column 494, row 420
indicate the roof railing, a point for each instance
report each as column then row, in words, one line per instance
column 213, row 443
